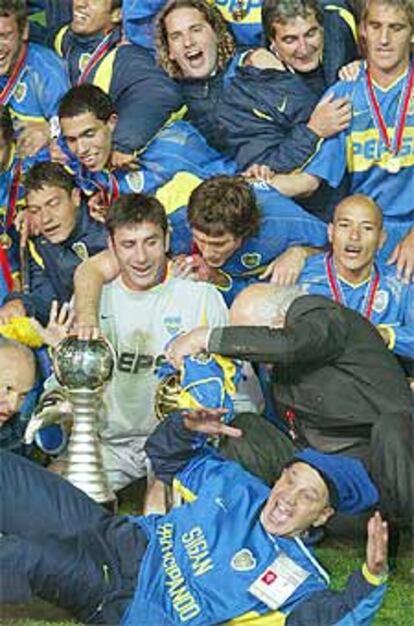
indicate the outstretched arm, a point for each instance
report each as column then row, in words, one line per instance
column 360, row 600
column 181, row 436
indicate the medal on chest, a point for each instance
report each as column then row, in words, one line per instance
column 393, row 163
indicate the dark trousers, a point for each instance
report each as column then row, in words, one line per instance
column 61, row 546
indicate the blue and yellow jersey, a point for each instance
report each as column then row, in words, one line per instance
column 178, row 148
column 393, row 304
column 361, row 151
column 37, row 93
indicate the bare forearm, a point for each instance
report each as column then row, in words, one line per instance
column 295, row 184
column 88, row 282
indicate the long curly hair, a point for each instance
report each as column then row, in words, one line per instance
column 225, row 42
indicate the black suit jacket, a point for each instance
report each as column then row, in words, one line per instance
column 330, row 366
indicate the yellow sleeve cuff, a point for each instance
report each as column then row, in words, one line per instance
column 391, row 334
column 372, row 578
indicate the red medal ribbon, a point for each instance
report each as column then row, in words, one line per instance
column 13, row 194
column 96, row 56
column 4, row 265
column 14, row 77
column 336, row 292
column 403, row 115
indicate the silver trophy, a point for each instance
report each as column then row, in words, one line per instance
column 83, row 368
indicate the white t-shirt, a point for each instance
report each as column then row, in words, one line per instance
column 139, row 324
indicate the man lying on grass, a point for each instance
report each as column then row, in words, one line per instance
column 233, row 553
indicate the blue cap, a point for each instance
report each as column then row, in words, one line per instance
column 351, row 490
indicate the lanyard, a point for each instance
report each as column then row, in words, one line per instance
column 96, row 56
column 13, row 193
column 401, row 113
column 369, row 297
column 8, row 89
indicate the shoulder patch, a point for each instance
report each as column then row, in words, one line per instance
column 381, row 301
column 135, row 181
column 20, row 92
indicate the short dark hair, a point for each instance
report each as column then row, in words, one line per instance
column 135, row 208
column 16, row 8
column 48, row 174
column 225, row 41
column 6, row 124
column 86, row 98
column 284, row 10
column 224, row 204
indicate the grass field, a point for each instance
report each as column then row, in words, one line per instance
column 340, row 558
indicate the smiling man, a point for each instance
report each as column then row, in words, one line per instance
column 350, row 275
column 88, row 120
column 67, row 236
column 233, row 554
column 140, row 311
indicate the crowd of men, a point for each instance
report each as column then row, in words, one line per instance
column 224, row 190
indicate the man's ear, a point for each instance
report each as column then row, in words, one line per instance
column 76, row 196
column 382, row 239
column 327, row 512
column 330, row 231
column 116, row 16
column 112, row 121
column 111, row 244
column 25, row 32
column 167, row 240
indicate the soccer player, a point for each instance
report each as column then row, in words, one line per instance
column 376, row 149
column 350, row 275
column 31, row 93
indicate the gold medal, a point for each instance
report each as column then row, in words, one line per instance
column 5, row 241
column 240, row 12
column 393, row 164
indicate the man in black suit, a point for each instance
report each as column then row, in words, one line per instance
column 333, row 381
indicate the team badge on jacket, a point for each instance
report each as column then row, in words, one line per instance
column 243, row 561
column 251, row 259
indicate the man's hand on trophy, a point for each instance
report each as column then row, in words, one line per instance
column 209, row 421
column 86, row 331
column 191, row 343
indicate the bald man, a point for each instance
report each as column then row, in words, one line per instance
column 350, row 275
column 333, row 381
column 17, row 377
